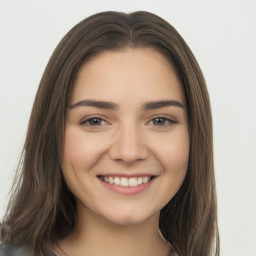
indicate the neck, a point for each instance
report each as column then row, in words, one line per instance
column 97, row 236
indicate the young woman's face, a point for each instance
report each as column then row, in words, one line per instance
column 126, row 145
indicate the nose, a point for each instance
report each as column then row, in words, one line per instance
column 128, row 146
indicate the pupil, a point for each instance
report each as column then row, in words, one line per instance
column 94, row 121
column 159, row 121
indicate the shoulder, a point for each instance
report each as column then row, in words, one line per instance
column 9, row 250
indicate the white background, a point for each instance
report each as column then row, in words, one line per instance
column 222, row 35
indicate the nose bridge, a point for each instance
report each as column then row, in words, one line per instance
column 129, row 144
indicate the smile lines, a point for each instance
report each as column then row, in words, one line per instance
column 126, row 182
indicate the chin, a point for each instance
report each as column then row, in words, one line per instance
column 129, row 219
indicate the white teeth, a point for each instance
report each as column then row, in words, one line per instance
column 116, row 181
column 133, row 182
column 126, row 182
column 145, row 180
column 111, row 180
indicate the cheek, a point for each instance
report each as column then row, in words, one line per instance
column 174, row 157
column 174, row 150
column 80, row 151
column 74, row 149
column 178, row 153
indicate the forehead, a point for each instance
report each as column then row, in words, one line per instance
column 131, row 73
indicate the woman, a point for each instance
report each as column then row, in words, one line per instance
column 118, row 158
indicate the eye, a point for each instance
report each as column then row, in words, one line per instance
column 94, row 121
column 161, row 121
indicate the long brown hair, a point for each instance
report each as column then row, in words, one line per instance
column 42, row 210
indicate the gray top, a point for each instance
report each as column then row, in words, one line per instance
column 9, row 250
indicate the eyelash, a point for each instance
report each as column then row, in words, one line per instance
column 167, row 121
column 87, row 121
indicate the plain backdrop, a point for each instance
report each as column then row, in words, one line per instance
column 222, row 35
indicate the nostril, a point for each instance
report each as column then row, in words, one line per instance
column 128, row 153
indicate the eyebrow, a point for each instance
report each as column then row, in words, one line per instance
column 113, row 106
column 96, row 104
column 162, row 104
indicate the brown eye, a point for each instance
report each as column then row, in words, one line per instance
column 95, row 121
column 162, row 121
column 159, row 121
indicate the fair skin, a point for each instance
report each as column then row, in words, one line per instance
column 126, row 123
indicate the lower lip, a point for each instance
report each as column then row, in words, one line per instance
column 127, row 190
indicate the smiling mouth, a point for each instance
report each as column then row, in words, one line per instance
column 126, row 182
